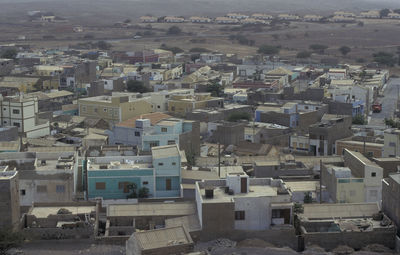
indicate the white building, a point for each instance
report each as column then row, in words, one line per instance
column 237, row 16
column 23, row 113
column 244, row 203
column 173, row 19
column 196, row 19
column 226, row 20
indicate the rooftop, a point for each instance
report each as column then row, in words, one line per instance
column 46, row 211
column 159, row 238
column 6, row 175
column 153, row 117
column 152, row 209
column 395, row 177
column 165, row 151
column 329, row 211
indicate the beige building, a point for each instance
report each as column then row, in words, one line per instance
column 9, row 199
column 113, row 108
column 391, row 143
column 182, row 104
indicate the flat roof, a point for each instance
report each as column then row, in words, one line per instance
column 199, row 175
column 165, row 151
column 153, row 117
column 6, row 175
column 45, row 211
column 301, row 186
column 328, row 211
column 395, row 177
column 152, row 209
column 254, row 191
column 159, row 238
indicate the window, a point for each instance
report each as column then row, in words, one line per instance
column 160, row 164
column 164, row 129
column 15, row 111
column 370, row 154
column 100, row 185
column 60, row 188
column 41, row 189
column 174, row 163
column 137, row 133
column 158, row 106
column 153, row 144
column 168, row 184
column 373, row 174
column 171, row 142
column 16, row 124
column 95, row 109
column 105, row 109
column 83, row 108
column 145, row 183
column 306, row 107
column 300, row 145
column 124, row 186
column 23, row 192
column 239, row 215
column 295, row 145
column 392, row 144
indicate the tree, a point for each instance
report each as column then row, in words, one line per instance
column 215, row 88
column 268, row 49
column 136, row 86
column 172, row 49
column 174, row 30
column 198, row 49
column 127, row 21
column 103, row 45
column 359, row 120
column 298, row 208
column 307, row 198
column 303, row 54
column 384, row 13
column 132, row 186
column 9, row 239
column 318, row 48
column 10, row 54
column 344, row 50
column 237, row 116
column 144, row 192
column 384, row 58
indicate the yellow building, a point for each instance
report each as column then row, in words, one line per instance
column 113, row 108
column 182, row 104
column 23, row 84
column 44, row 70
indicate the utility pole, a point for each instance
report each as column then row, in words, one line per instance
column 320, row 181
column 219, row 160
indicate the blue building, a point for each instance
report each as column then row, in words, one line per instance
column 166, row 131
column 112, row 177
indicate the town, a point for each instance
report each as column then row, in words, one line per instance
column 166, row 151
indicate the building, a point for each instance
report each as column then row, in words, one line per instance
column 241, row 203
column 323, row 136
column 391, row 198
column 113, row 108
column 148, row 19
column 196, row 19
column 226, row 20
column 356, row 225
column 284, row 167
column 22, row 112
column 289, row 17
column 233, row 15
column 158, row 130
column 113, row 177
column 361, row 167
column 391, row 143
column 262, row 16
column 6, row 66
column 369, row 149
column 312, row 18
column 226, row 133
column 182, row 104
column 342, row 186
column 172, row 19
column 173, row 240
column 394, row 15
column 9, row 199
column 372, row 14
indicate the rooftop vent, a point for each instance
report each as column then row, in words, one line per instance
column 209, row 193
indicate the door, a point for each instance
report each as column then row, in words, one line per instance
column 243, row 185
column 168, row 185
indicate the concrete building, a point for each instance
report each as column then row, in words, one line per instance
column 391, row 198
column 356, row 225
column 369, row 149
column 323, row 136
column 22, row 112
column 285, row 167
column 241, row 203
column 8, row 134
column 6, row 66
column 226, row 133
column 342, row 186
column 111, row 177
column 361, row 167
column 148, row 19
column 113, row 108
column 146, row 133
column 9, row 199
column 182, row 104
column 173, row 240
column 391, row 143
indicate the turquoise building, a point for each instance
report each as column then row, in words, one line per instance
column 111, row 177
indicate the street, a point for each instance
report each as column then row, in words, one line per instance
column 389, row 102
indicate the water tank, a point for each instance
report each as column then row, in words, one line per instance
column 142, row 123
